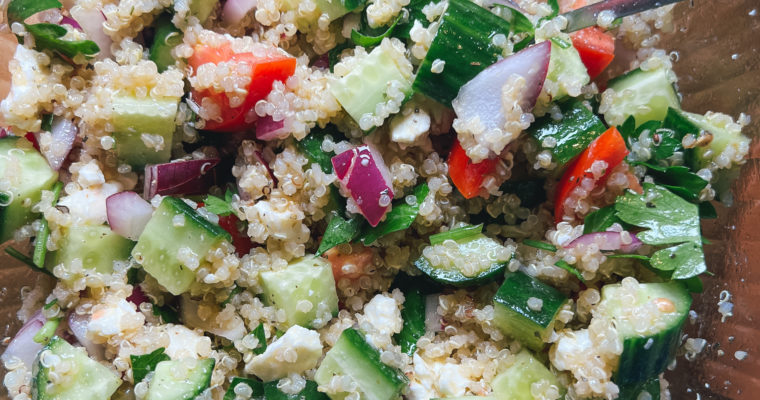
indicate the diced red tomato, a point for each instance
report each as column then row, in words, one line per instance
column 609, row 147
column 33, row 139
column 356, row 263
column 264, row 71
column 596, row 48
column 466, row 175
column 240, row 240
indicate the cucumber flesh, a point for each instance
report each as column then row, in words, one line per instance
column 645, row 95
column 27, row 174
column 515, row 318
column 307, row 279
column 515, row 382
column 726, row 134
column 662, row 309
column 566, row 74
column 90, row 381
column 158, row 247
column 96, row 246
column 132, row 117
column 352, row 356
column 492, row 259
column 180, row 379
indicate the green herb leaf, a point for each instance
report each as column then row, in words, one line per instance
column 51, row 304
column 167, row 313
column 540, row 245
column 220, row 207
column 142, row 365
column 262, row 338
column 311, row 147
column 47, row 331
column 562, row 43
column 40, row 242
column 340, row 231
column 400, row 217
column 456, row 234
column 257, row 388
column 517, row 20
column 47, row 122
column 707, row 211
column 234, row 292
column 694, row 284
column 569, row 268
column 685, row 260
column 363, row 40
column 632, row 256
column 26, row 260
column 20, row 10
column 415, row 14
column 678, row 179
column 48, row 37
column 554, row 4
column 531, row 192
column 413, row 315
column 600, row 220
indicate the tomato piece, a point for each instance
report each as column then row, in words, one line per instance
column 264, row 71
column 596, row 48
column 609, row 147
column 466, row 175
column 356, row 263
column 240, row 240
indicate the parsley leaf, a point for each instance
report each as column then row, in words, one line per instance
column 678, row 179
column 48, row 37
column 167, row 313
column 19, row 10
column 569, row 268
column 220, row 207
column 142, row 365
column 369, row 40
column 262, row 338
column 670, row 220
column 600, row 220
column 540, row 245
column 257, row 388
column 234, row 292
column 400, row 217
column 340, row 231
column 51, row 304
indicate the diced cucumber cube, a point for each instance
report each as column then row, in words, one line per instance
column 725, row 134
column 645, row 95
column 26, row 174
column 514, row 315
column 309, row 279
column 166, row 38
column 566, row 71
column 352, row 356
column 96, row 246
column 176, row 236
column 479, row 259
column 180, row 379
column 515, row 382
column 367, row 85
column 85, row 379
column 132, row 118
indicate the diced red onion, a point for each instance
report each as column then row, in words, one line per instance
column 607, row 241
column 128, row 214
column 65, row 20
column 64, row 133
column 269, row 129
column 235, row 10
column 23, row 345
column 91, row 22
column 189, row 313
column 78, row 326
column 180, row 177
column 482, row 96
column 364, row 175
column 322, row 61
column 3, row 133
column 138, row 296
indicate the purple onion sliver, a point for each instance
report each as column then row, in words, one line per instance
column 128, row 214
column 607, row 241
column 70, row 21
column 23, row 346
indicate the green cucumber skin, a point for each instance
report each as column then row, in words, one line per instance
column 632, row 392
column 166, row 38
column 573, row 133
column 309, row 392
column 97, row 246
column 413, row 315
column 168, row 388
column 357, row 341
column 465, row 42
column 651, row 84
column 456, row 278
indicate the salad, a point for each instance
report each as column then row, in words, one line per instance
column 383, row 199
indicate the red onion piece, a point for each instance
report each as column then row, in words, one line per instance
column 322, row 61
column 91, row 22
column 138, row 296
column 180, row 177
column 367, row 179
column 607, row 241
column 269, row 129
column 78, row 326
column 235, row 10
column 64, row 133
column 65, row 20
column 128, row 214
column 481, row 96
column 23, row 345
column 3, row 133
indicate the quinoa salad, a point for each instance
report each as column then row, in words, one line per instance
column 354, row 199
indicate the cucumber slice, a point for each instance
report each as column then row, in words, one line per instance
column 307, row 279
column 515, row 382
column 180, row 379
column 515, row 318
column 352, row 356
column 256, row 388
column 158, row 248
column 726, row 134
column 309, row 392
column 27, row 174
column 566, row 73
column 663, row 307
column 202, row 9
column 366, row 86
column 473, row 260
column 86, row 379
column 636, row 391
column 465, row 43
column 96, row 246
column 572, row 134
column 413, row 315
column 166, row 38
column 645, row 95
column 133, row 117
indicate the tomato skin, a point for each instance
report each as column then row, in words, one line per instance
column 264, row 71
column 596, row 48
column 609, row 147
column 466, row 175
column 240, row 240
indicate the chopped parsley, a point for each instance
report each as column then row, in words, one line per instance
column 218, row 206
column 144, row 364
